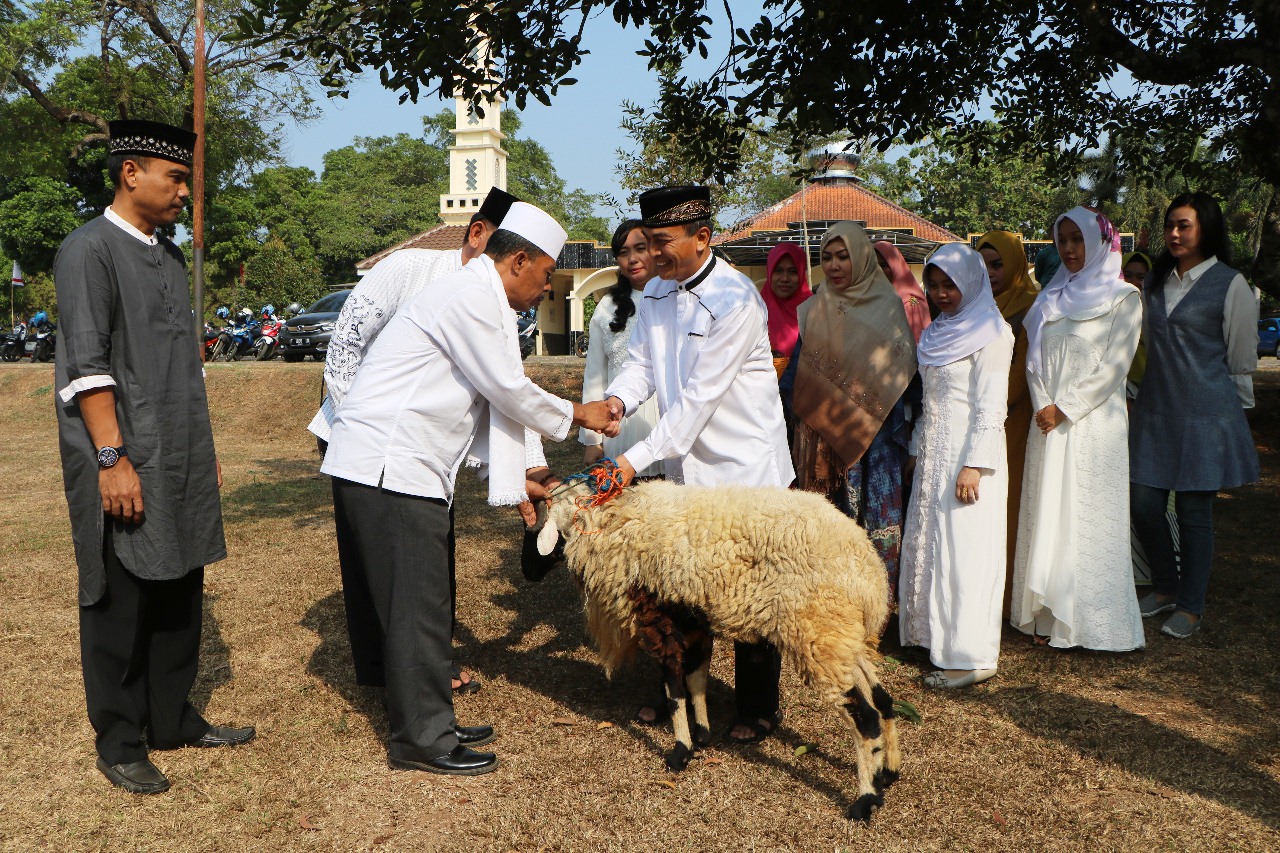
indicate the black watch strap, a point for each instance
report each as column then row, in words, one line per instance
column 109, row 456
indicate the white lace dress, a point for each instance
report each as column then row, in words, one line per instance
column 606, row 354
column 951, row 588
column 1073, row 576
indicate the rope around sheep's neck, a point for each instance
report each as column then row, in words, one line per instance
column 604, row 478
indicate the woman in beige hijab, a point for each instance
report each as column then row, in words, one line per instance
column 846, row 385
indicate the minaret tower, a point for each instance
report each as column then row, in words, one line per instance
column 477, row 161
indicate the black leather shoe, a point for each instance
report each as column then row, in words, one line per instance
column 474, row 735
column 224, row 736
column 463, row 761
column 137, row 777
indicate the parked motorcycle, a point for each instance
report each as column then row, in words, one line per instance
column 267, row 341
column 527, row 330
column 211, row 335
column 42, row 345
column 236, row 340
column 14, row 343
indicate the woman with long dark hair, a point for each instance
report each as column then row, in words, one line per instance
column 1189, row 433
column 610, row 333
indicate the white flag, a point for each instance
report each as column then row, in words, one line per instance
column 17, row 275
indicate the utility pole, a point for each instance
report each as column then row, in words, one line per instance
column 197, row 181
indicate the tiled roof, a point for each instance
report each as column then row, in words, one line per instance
column 838, row 201
column 440, row 237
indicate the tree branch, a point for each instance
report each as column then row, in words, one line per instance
column 62, row 115
column 150, row 15
column 1198, row 58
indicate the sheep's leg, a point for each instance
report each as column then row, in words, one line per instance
column 699, row 658
column 867, row 721
column 677, row 697
column 892, row 757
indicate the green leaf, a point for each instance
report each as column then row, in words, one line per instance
column 907, row 711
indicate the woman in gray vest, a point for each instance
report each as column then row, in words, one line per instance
column 1189, row 434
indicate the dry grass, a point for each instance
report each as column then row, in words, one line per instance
column 1174, row 748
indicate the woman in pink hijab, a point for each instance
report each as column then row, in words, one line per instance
column 896, row 270
column 786, row 285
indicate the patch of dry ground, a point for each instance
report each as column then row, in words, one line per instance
column 1174, row 748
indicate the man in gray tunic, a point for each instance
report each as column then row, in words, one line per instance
column 138, row 461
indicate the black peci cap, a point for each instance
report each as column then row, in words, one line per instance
column 674, row 206
column 151, row 139
column 496, row 204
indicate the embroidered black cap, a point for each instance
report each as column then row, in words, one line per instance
column 674, row 205
column 496, row 204
column 151, row 139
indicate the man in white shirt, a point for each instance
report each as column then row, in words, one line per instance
column 392, row 283
column 443, row 385
column 702, row 346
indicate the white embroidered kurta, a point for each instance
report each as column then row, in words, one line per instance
column 392, row 283
column 605, row 359
column 427, row 386
column 951, row 585
column 702, row 348
column 1073, row 578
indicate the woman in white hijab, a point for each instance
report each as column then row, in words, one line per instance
column 953, row 557
column 1072, row 578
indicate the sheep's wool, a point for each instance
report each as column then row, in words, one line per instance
column 758, row 562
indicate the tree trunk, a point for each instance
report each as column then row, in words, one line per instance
column 1266, row 264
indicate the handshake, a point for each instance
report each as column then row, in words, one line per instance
column 602, row 416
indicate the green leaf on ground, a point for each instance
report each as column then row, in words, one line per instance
column 905, row 709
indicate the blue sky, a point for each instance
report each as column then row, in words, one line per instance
column 579, row 129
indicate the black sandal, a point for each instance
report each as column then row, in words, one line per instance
column 761, row 728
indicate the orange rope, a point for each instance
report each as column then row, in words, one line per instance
column 607, row 485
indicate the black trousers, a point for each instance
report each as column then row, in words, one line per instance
column 139, row 650
column 363, row 628
column 756, row 670
column 403, row 543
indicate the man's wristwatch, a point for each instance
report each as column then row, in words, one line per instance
column 109, row 456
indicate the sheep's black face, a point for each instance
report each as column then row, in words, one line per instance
column 535, row 566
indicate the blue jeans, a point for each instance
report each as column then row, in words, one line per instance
column 1195, row 536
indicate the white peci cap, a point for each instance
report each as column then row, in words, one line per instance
column 535, row 226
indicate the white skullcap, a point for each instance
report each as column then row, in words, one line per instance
column 535, row 226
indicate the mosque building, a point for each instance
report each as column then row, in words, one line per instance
column 477, row 161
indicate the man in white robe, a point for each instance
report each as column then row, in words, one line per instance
column 443, row 385
column 392, row 283
column 701, row 344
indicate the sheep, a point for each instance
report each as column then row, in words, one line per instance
column 665, row 567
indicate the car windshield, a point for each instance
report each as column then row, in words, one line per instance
column 330, row 304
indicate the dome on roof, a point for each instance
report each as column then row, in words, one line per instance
column 834, row 163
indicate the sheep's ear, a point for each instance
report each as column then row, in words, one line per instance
column 542, row 508
column 548, row 536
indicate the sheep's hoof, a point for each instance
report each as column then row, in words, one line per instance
column 678, row 758
column 888, row 777
column 861, row 808
column 701, row 735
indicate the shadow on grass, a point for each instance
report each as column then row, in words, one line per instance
column 552, row 669
column 331, row 660
column 289, row 490
column 1123, row 739
column 215, row 658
